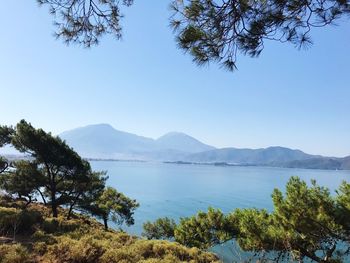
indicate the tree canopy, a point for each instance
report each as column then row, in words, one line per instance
column 307, row 222
column 56, row 173
column 209, row 30
column 60, row 166
column 114, row 206
column 214, row 30
column 85, row 21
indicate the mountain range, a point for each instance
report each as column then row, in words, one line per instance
column 102, row 141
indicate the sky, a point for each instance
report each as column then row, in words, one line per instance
column 145, row 85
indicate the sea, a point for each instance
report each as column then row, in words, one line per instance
column 181, row 190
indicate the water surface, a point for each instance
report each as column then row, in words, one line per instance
column 176, row 191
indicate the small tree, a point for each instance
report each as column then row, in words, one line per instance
column 24, row 181
column 9, row 220
column 307, row 223
column 203, row 230
column 62, row 172
column 86, row 191
column 114, row 206
column 162, row 228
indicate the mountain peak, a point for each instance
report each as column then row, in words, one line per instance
column 103, row 141
column 182, row 142
column 99, row 126
column 174, row 134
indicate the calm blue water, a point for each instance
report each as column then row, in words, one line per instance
column 181, row 190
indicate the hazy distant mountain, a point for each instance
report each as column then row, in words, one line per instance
column 103, row 141
column 271, row 155
column 182, row 142
column 316, row 163
column 345, row 163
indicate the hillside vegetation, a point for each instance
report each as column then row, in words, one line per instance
column 32, row 235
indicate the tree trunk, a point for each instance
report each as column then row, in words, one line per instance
column 54, row 204
column 6, row 165
column 105, row 221
column 42, row 196
column 54, row 211
column 72, row 205
column 70, row 211
column 28, row 202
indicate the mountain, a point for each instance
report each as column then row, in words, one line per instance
column 103, row 141
column 325, row 163
column 182, row 142
column 345, row 163
column 271, row 156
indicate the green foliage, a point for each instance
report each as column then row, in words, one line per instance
column 115, row 206
column 24, row 181
column 209, row 30
column 307, row 222
column 93, row 248
column 162, row 228
column 9, row 220
column 255, row 230
column 83, row 239
column 218, row 30
column 57, row 172
column 343, row 204
column 84, row 22
column 87, row 250
column 306, row 219
column 61, row 177
column 14, row 220
column 202, row 230
column 5, row 135
column 205, row 229
column 60, row 225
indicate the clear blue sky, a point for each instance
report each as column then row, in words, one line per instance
column 145, row 85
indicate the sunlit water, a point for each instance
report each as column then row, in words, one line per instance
column 176, row 191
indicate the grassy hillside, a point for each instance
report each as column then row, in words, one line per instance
column 31, row 235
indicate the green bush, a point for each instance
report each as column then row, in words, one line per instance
column 84, row 240
column 50, row 225
column 30, row 220
column 60, row 225
column 14, row 220
column 87, row 250
column 117, row 248
column 9, row 220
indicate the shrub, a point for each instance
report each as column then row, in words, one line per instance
column 40, row 236
column 86, row 250
column 29, row 219
column 13, row 220
column 9, row 220
column 14, row 254
column 60, row 225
